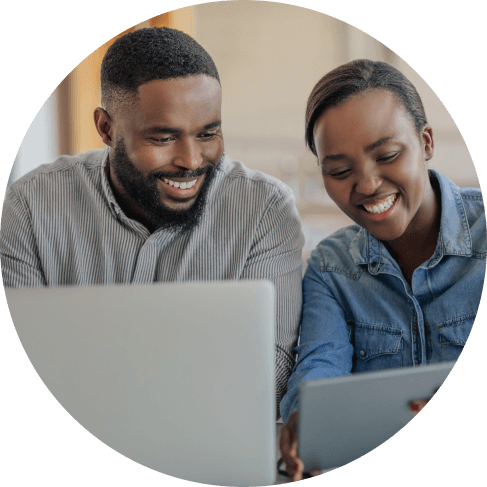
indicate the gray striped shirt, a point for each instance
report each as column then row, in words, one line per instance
column 61, row 225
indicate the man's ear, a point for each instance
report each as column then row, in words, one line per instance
column 427, row 139
column 103, row 124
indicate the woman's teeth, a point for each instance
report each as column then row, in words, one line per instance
column 181, row 185
column 381, row 207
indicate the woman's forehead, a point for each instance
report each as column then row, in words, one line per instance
column 363, row 119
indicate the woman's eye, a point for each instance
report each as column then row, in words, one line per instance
column 340, row 174
column 388, row 157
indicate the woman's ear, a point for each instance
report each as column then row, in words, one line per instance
column 427, row 139
column 103, row 124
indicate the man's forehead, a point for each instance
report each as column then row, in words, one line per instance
column 176, row 102
column 174, row 89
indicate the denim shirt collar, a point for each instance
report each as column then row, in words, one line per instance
column 453, row 239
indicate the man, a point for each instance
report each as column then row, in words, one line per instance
column 162, row 202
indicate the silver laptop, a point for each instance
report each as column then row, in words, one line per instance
column 343, row 418
column 178, row 377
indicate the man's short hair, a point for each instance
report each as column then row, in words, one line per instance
column 150, row 54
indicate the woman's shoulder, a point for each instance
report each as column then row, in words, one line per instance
column 475, row 213
column 473, row 202
column 334, row 253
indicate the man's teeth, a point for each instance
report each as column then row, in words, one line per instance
column 181, row 185
column 381, row 207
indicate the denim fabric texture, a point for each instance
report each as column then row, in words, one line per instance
column 360, row 314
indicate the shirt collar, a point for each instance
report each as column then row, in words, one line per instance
column 453, row 239
column 107, row 189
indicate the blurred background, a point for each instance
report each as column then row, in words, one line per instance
column 269, row 57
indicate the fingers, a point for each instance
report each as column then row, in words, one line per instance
column 289, row 449
column 416, row 405
column 314, row 473
column 296, row 470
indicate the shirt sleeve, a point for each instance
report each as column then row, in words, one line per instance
column 324, row 348
column 276, row 256
column 21, row 265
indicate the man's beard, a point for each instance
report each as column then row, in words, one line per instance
column 145, row 193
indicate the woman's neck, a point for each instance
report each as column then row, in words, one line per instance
column 419, row 241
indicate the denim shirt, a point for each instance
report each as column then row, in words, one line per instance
column 360, row 314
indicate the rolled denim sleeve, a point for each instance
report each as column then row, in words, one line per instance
column 324, row 348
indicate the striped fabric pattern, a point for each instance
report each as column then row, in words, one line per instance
column 61, row 225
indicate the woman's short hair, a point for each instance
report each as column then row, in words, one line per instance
column 355, row 77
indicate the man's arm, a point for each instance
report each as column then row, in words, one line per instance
column 276, row 256
column 21, row 265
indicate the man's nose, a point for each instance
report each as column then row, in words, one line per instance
column 188, row 155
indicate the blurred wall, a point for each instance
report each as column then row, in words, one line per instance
column 269, row 57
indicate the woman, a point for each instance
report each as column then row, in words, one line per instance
column 402, row 286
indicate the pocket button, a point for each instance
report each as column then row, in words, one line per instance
column 362, row 353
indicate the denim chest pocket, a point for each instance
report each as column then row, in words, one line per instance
column 376, row 347
column 453, row 335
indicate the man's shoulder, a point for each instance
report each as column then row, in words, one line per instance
column 62, row 169
column 236, row 176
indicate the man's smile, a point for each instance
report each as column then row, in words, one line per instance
column 181, row 189
column 182, row 184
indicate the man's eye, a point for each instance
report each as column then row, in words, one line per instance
column 206, row 136
column 164, row 140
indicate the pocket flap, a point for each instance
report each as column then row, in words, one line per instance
column 374, row 340
column 456, row 331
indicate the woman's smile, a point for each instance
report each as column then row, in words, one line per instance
column 381, row 209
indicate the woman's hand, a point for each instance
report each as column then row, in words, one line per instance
column 289, row 450
column 418, row 404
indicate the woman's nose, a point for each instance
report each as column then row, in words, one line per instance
column 368, row 182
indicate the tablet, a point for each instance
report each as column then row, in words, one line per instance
column 343, row 418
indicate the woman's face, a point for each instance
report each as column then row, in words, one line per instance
column 374, row 164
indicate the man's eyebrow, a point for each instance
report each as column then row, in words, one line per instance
column 374, row 145
column 212, row 125
column 174, row 130
column 163, row 130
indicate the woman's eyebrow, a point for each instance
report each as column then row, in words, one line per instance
column 331, row 157
column 371, row 147
column 378, row 143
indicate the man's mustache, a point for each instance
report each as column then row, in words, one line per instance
column 211, row 166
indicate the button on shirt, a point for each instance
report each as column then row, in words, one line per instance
column 360, row 314
column 61, row 225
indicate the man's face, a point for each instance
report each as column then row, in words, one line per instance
column 166, row 147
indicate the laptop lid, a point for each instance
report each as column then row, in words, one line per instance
column 342, row 418
column 178, row 377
